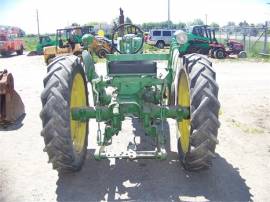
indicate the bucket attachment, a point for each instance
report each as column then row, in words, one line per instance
column 11, row 105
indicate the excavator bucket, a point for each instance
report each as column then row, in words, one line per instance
column 11, row 105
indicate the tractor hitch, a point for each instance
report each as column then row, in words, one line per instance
column 160, row 154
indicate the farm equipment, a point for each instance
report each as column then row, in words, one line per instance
column 236, row 48
column 202, row 39
column 43, row 41
column 9, row 44
column 198, row 41
column 101, row 46
column 186, row 91
column 11, row 105
column 68, row 41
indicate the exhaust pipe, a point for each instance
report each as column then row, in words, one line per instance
column 11, row 105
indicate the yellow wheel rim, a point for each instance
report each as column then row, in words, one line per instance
column 184, row 101
column 78, row 99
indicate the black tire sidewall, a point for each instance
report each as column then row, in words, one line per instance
column 55, row 114
column 242, row 54
column 218, row 53
column 194, row 67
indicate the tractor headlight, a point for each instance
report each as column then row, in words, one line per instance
column 181, row 36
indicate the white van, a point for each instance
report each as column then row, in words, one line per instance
column 160, row 37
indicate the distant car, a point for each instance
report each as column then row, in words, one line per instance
column 9, row 45
column 160, row 37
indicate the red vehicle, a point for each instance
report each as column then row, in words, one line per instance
column 9, row 45
column 219, row 50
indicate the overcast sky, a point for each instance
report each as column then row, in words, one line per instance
column 55, row 14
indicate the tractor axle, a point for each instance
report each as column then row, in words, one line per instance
column 104, row 114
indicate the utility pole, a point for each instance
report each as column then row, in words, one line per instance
column 38, row 23
column 265, row 51
column 169, row 7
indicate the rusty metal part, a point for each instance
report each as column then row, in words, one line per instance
column 11, row 105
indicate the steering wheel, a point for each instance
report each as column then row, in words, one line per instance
column 127, row 29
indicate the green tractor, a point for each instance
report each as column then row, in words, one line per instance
column 68, row 41
column 202, row 39
column 43, row 41
column 186, row 91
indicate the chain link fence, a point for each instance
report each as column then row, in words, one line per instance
column 256, row 40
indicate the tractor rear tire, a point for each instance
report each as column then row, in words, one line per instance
column 219, row 53
column 196, row 147
column 242, row 54
column 65, row 140
column 211, row 53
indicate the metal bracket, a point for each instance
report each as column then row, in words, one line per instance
column 160, row 154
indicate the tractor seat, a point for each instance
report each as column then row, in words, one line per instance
column 132, row 67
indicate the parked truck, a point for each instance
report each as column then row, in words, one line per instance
column 9, row 44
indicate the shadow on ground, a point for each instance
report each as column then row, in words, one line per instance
column 150, row 180
column 9, row 56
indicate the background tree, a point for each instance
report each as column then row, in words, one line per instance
column 215, row 25
column 231, row 27
column 243, row 24
column 230, row 23
column 181, row 25
column 197, row 22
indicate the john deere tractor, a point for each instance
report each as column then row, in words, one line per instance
column 186, row 91
column 101, row 46
column 68, row 41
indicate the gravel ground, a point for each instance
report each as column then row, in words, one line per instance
column 240, row 171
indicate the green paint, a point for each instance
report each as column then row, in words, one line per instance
column 44, row 41
column 137, row 57
column 138, row 95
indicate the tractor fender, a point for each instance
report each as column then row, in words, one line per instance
column 89, row 66
column 174, row 93
column 49, row 52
